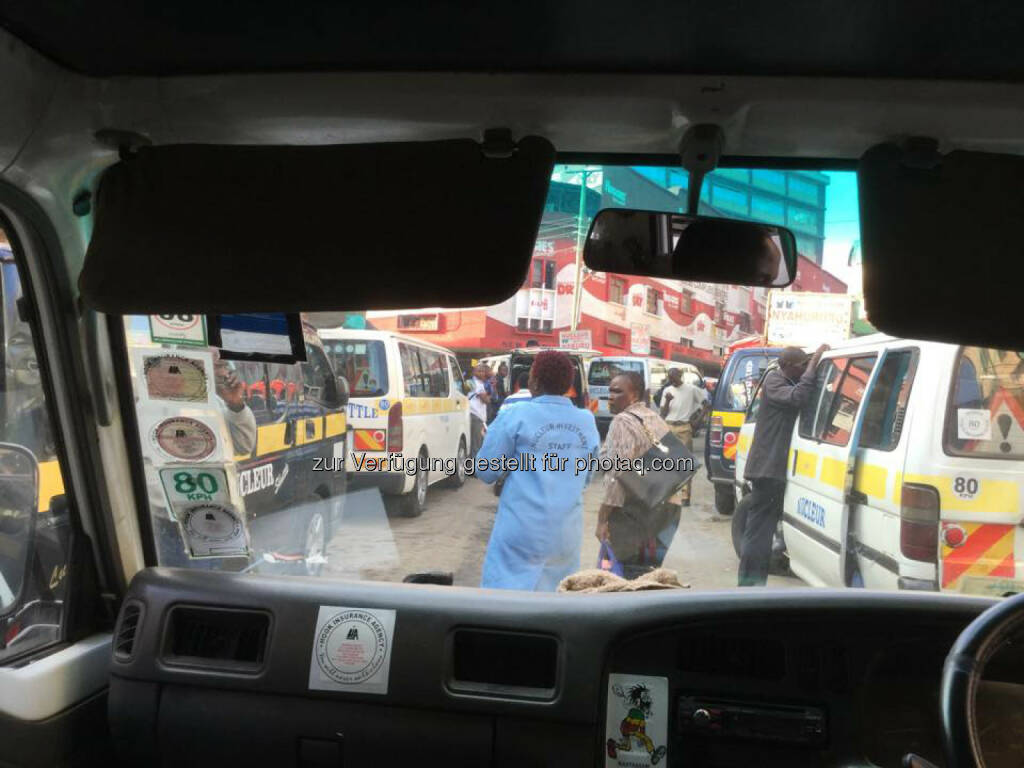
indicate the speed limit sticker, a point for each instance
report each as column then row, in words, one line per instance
column 195, row 484
column 189, row 330
column 965, row 487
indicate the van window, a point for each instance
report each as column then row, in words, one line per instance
column 812, row 415
column 744, row 377
column 363, row 363
column 460, row 383
column 846, row 400
column 985, row 417
column 755, row 405
column 425, row 372
column 318, row 379
column 603, row 371
column 887, row 406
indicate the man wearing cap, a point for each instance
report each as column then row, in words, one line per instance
column 784, row 391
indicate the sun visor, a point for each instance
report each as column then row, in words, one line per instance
column 942, row 243
column 232, row 229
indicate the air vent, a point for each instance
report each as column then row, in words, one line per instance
column 504, row 664
column 127, row 627
column 713, row 655
column 216, row 638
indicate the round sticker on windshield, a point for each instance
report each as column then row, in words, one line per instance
column 211, row 524
column 351, row 647
column 173, row 377
column 184, row 438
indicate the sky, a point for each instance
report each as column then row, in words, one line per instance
column 842, row 227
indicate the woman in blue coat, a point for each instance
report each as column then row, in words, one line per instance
column 538, row 531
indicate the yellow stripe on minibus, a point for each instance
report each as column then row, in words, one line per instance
column 302, row 436
column 994, row 499
column 806, row 464
column 729, row 418
column 334, row 424
column 833, row 472
column 870, row 480
column 270, row 439
column 51, row 483
column 417, row 406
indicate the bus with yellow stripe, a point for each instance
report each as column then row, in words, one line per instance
column 408, row 410
column 906, row 469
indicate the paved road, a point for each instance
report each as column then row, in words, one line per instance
column 452, row 535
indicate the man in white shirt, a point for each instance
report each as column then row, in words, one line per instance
column 478, row 400
column 681, row 403
column 522, row 392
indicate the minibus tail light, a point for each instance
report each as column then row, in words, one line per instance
column 919, row 522
column 395, row 436
column 715, row 432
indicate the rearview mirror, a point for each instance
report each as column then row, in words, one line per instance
column 19, row 499
column 696, row 248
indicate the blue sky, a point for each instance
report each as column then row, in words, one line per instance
column 842, row 226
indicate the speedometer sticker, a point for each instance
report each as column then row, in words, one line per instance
column 213, row 530
column 636, row 727
column 184, row 438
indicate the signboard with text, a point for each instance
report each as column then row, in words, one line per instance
column 639, row 339
column 808, row 319
column 575, row 339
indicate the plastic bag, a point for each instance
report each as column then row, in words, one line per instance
column 607, row 561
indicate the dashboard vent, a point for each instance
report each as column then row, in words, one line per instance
column 504, row 664
column 127, row 628
column 713, row 655
column 217, row 638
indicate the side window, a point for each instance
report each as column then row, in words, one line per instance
column 755, row 404
column 412, row 372
column 847, row 398
column 743, row 379
column 887, row 406
column 813, row 413
column 33, row 539
column 460, row 384
column 318, row 377
column 435, row 372
column 985, row 409
column 257, row 385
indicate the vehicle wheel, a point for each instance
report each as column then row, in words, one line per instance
column 415, row 501
column 725, row 499
column 315, row 539
column 459, row 478
column 739, row 523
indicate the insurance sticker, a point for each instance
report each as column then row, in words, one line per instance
column 184, row 438
column 352, row 649
column 176, row 377
column 213, row 530
column 636, row 728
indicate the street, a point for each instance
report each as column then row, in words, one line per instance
column 452, row 535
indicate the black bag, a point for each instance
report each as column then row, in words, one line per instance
column 651, row 486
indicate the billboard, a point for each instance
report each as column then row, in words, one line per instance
column 808, row 319
column 575, row 339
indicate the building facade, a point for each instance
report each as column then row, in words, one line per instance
column 625, row 314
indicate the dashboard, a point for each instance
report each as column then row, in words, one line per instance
column 214, row 668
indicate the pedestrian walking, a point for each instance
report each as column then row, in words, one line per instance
column 682, row 405
column 538, row 531
column 633, row 530
column 478, row 402
column 784, row 391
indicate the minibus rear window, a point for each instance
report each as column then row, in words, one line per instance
column 985, row 416
column 363, row 363
column 736, row 392
column 603, row 371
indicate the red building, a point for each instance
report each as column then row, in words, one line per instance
column 625, row 314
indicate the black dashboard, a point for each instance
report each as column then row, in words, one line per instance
column 214, row 669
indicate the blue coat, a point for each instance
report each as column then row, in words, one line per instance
column 538, row 531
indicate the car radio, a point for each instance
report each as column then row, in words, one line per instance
column 795, row 725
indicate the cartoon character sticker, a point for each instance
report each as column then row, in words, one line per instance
column 637, row 722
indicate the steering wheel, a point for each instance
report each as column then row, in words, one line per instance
column 962, row 672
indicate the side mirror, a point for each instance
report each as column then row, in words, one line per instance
column 19, row 501
column 696, row 248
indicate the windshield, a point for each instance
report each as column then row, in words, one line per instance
column 453, row 457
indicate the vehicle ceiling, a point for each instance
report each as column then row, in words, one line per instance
column 797, row 80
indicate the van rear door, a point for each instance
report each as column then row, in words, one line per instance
column 980, row 475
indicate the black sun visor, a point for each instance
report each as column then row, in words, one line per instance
column 225, row 229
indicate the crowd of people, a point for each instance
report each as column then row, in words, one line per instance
column 537, row 535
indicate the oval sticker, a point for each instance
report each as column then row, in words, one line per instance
column 211, row 523
column 184, row 438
